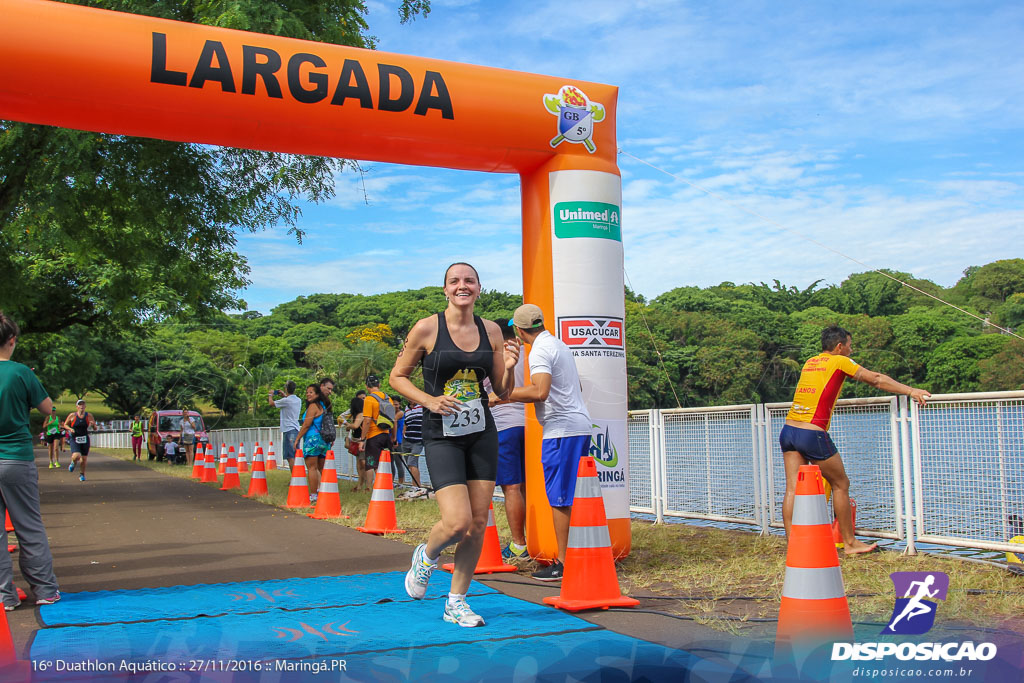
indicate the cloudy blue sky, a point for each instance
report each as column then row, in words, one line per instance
column 889, row 131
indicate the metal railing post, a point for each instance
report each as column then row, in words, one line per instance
column 897, row 466
column 657, row 484
column 662, row 467
column 759, row 415
column 909, row 480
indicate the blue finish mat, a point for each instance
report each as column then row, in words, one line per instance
column 280, row 635
column 595, row 655
column 176, row 602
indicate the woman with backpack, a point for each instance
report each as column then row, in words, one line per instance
column 314, row 448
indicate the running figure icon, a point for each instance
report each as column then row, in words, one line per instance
column 917, row 602
column 915, row 607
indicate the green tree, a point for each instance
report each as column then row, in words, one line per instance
column 304, row 335
column 326, row 357
column 920, row 331
column 955, row 366
column 998, row 280
column 1005, row 370
column 1011, row 313
column 109, row 231
column 364, row 358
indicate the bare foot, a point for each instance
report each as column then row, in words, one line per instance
column 858, row 548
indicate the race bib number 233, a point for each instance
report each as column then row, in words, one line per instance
column 469, row 420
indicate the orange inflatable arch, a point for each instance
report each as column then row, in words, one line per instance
column 89, row 69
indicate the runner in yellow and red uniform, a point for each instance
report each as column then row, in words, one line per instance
column 804, row 438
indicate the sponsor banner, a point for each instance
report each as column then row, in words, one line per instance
column 589, row 313
column 593, row 336
column 587, row 219
column 608, row 449
column 588, row 287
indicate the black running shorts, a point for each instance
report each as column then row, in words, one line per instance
column 458, row 459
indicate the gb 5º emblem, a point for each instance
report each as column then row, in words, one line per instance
column 576, row 116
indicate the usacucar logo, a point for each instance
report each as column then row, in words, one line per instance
column 915, row 608
column 576, row 116
column 603, row 332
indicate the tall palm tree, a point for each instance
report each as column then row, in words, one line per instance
column 365, row 357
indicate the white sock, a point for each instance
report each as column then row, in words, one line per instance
column 516, row 547
column 429, row 561
column 455, row 597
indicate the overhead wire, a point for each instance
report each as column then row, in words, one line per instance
column 795, row 233
column 654, row 345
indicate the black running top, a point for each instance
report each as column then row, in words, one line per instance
column 447, row 369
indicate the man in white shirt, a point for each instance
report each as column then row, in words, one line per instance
column 289, row 405
column 555, row 391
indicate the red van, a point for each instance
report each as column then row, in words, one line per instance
column 167, row 423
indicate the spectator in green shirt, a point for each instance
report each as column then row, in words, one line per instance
column 20, row 391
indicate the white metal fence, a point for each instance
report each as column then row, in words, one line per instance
column 110, row 440
column 950, row 474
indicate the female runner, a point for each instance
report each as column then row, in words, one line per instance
column 79, row 423
column 457, row 350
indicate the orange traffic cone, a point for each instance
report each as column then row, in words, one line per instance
column 210, row 469
column 271, row 458
column 198, row 462
column 298, row 490
column 258, row 482
column 231, row 480
column 590, row 580
column 328, row 500
column 490, row 561
column 223, row 458
column 243, row 465
column 837, row 536
column 10, row 668
column 814, row 609
column 11, row 547
column 381, row 517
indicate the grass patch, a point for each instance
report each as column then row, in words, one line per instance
column 711, row 567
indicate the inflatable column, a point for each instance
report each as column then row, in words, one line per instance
column 572, row 269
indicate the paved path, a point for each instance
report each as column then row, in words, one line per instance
column 129, row 527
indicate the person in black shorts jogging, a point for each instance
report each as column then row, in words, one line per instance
column 458, row 350
column 79, row 423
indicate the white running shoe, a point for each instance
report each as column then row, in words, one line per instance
column 418, row 576
column 458, row 612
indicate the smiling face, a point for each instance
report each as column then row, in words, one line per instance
column 461, row 285
column 311, row 394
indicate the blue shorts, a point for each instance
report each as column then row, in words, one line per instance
column 810, row 443
column 560, row 459
column 511, row 456
column 289, row 444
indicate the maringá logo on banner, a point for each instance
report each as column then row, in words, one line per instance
column 602, row 449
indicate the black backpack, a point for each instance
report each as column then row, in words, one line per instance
column 328, row 430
